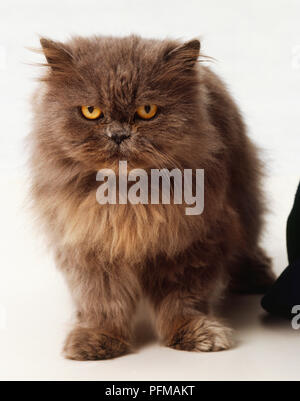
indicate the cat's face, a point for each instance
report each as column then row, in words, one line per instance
column 121, row 99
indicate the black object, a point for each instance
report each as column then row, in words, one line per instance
column 285, row 293
column 293, row 230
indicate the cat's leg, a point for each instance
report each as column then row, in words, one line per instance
column 183, row 309
column 106, row 303
column 252, row 273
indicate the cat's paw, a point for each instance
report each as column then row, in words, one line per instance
column 84, row 344
column 202, row 335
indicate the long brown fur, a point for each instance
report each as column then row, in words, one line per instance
column 112, row 255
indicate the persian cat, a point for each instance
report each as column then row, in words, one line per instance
column 155, row 105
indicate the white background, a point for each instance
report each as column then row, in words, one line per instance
column 257, row 47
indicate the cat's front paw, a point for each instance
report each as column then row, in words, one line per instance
column 85, row 344
column 201, row 335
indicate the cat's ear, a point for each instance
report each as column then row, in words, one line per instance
column 58, row 55
column 184, row 55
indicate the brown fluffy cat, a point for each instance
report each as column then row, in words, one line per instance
column 112, row 255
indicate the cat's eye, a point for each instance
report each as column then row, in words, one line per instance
column 91, row 112
column 147, row 112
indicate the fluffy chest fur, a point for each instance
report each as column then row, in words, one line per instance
column 118, row 232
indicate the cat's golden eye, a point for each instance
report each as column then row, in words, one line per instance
column 91, row 112
column 147, row 112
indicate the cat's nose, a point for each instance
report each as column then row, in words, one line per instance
column 119, row 137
